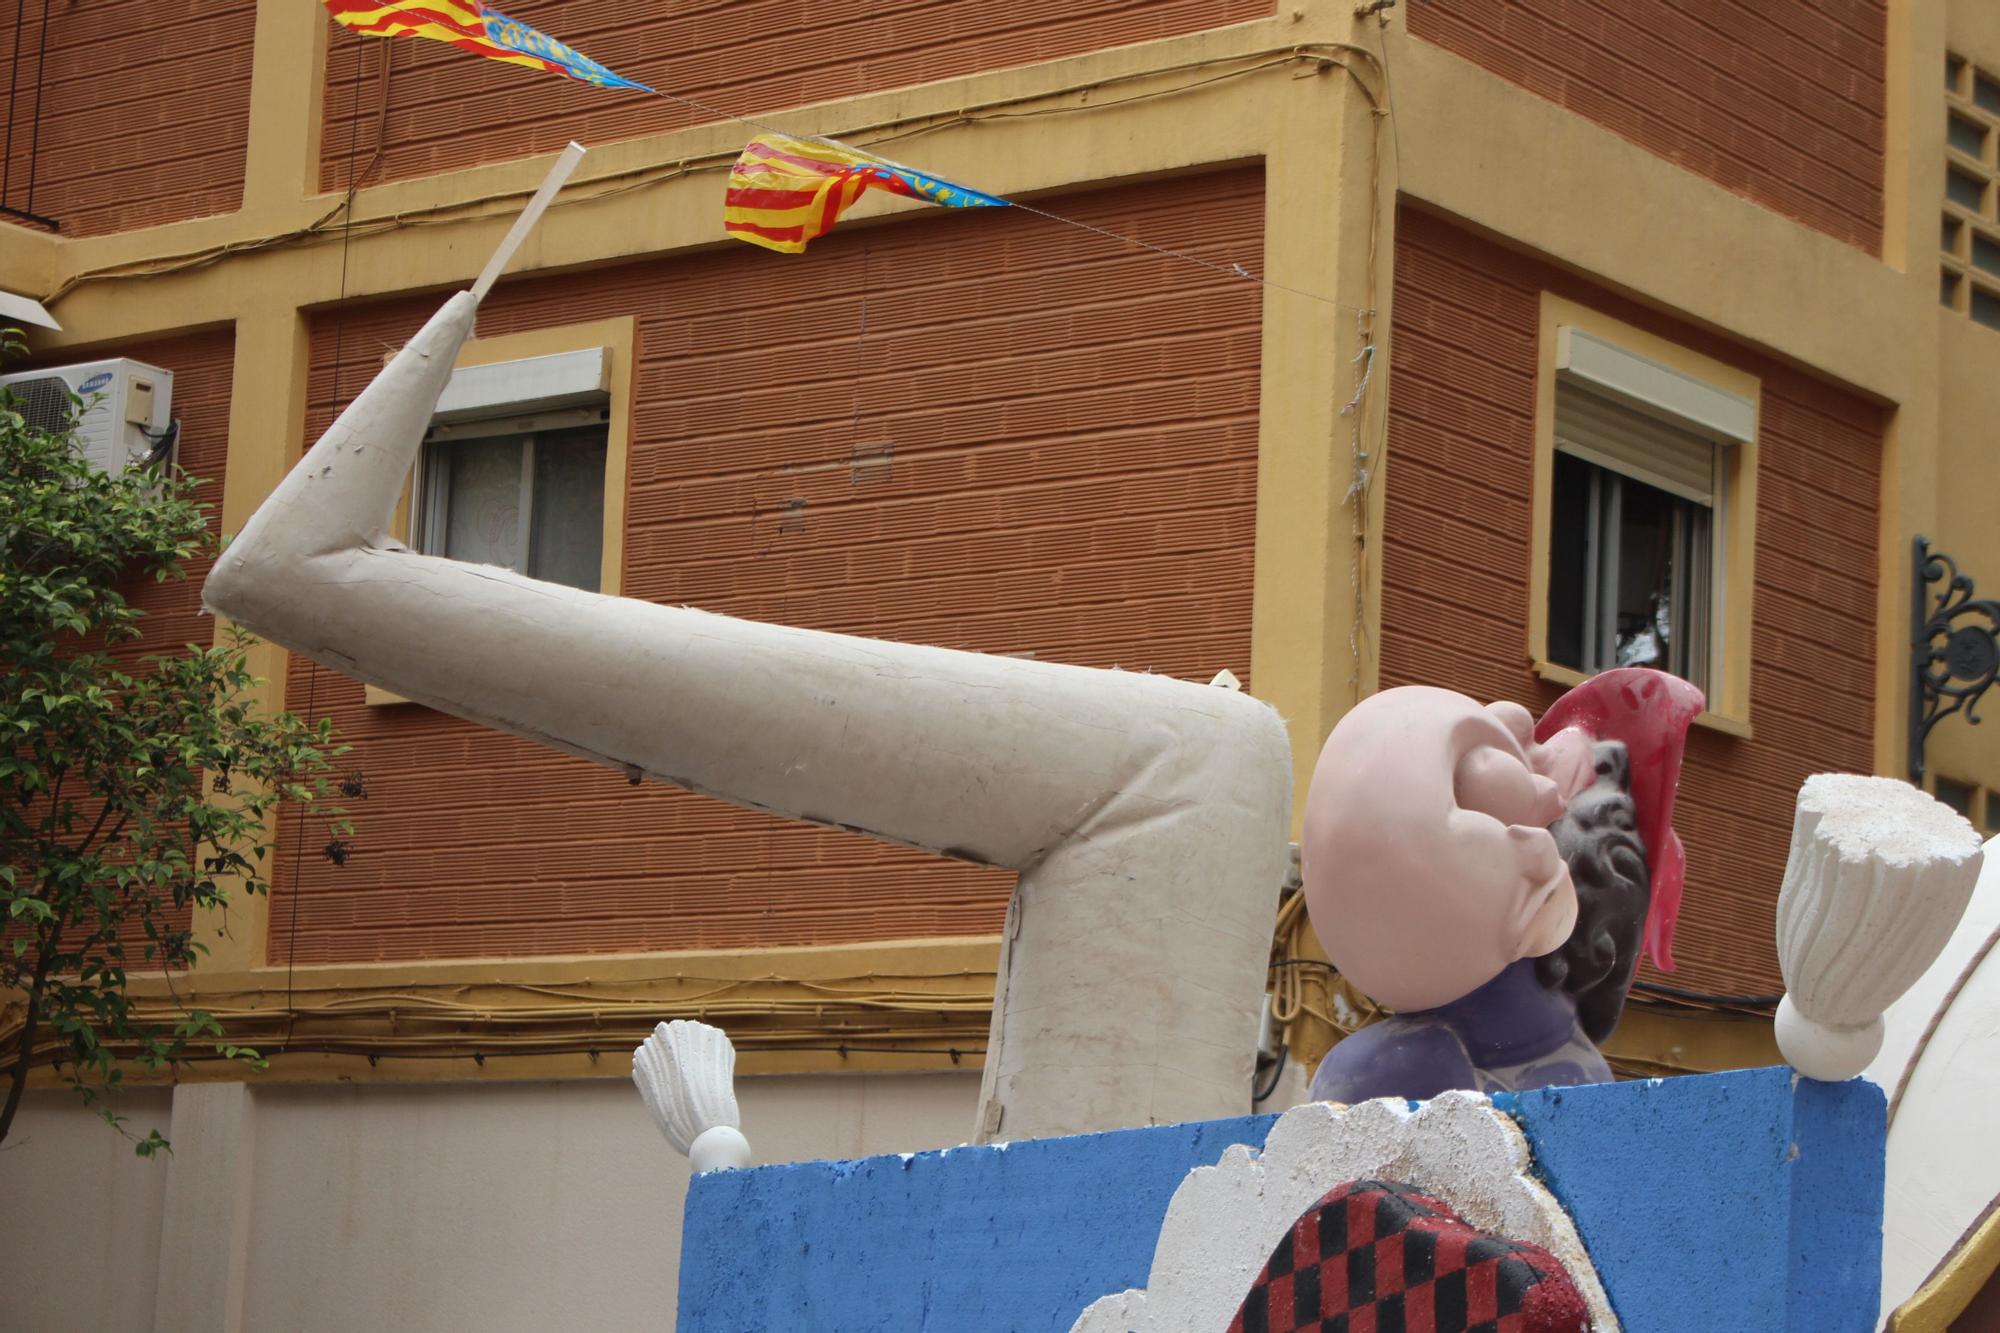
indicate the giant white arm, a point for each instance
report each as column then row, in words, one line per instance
column 1147, row 816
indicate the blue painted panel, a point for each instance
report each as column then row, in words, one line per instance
column 1726, row 1201
column 1748, row 1200
column 1021, row 1237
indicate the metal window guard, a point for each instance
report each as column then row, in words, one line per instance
column 1952, row 664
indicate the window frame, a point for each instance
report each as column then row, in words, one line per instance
column 617, row 338
column 1733, row 509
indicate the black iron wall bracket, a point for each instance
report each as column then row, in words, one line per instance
column 1954, row 658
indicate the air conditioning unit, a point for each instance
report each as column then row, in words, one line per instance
column 125, row 419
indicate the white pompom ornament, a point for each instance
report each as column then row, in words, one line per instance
column 1878, row 877
column 686, row 1073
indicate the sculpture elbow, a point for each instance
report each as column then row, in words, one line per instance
column 225, row 591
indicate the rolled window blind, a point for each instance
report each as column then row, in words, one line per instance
column 1635, row 444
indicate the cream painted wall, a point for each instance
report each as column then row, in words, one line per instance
column 80, row 1216
column 415, row 1207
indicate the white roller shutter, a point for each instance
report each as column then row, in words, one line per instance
column 1635, row 444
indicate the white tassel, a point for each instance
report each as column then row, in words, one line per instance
column 686, row 1073
column 1878, row 877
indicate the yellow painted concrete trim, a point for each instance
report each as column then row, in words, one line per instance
column 1952, row 1285
column 265, row 426
column 1972, row 30
column 1323, row 203
column 1522, row 168
column 287, row 76
column 944, row 956
column 1655, row 1040
column 1904, row 91
column 894, row 1005
column 941, row 103
column 29, row 262
column 1735, row 531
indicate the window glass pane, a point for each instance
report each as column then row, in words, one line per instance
column 1662, row 593
column 1948, row 235
column 1967, row 191
column 1948, row 288
column 568, row 531
column 1965, row 136
column 1986, row 307
column 1569, row 516
column 1985, row 254
column 483, row 517
column 1985, row 93
column 1957, row 795
column 1953, row 68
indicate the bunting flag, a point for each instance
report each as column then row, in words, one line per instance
column 473, row 27
column 784, row 192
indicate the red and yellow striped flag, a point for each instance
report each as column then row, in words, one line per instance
column 472, row 26
column 784, row 192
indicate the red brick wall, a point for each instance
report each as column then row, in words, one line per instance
column 1074, row 434
column 750, row 58
column 144, row 109
column 1782, row 103
column 1455, row 567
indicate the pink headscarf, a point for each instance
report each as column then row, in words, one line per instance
column 1650, row 711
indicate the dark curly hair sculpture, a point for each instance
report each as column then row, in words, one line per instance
column 1599, row 837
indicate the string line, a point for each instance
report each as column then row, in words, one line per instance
column 1230, row 269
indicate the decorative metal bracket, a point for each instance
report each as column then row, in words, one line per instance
column 1951, row 664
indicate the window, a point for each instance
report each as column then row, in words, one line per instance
column 525, row 493
column 524, row 465
column 513, row 469
column 1969, row 280
column 1644, row 509
column 1631, row 541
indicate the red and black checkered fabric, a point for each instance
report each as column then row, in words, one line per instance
column 1373, row 1256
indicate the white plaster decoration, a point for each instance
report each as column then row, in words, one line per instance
column 686, row 1074
column 1147, row 816
column 1879, row 876
column 1225, row 1219
column 1940, row 1065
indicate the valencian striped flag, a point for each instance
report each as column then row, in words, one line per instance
column 784, row 192
column 474, row 27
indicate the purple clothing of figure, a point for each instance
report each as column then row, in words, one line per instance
column 1511, row 1034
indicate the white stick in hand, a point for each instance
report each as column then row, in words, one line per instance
column 1878, row 877
column 686, row 1073
column 560, row 172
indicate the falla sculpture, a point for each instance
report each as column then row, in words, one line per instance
column 1486, row 876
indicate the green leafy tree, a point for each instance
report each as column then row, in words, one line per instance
column 131, row 788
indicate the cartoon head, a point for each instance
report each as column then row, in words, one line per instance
column 1427, row 857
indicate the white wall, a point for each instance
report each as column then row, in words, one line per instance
column 494, row 1206
column 79, row 1216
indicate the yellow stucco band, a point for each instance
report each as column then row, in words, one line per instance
column 899, row 1005
column 910, row 1005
